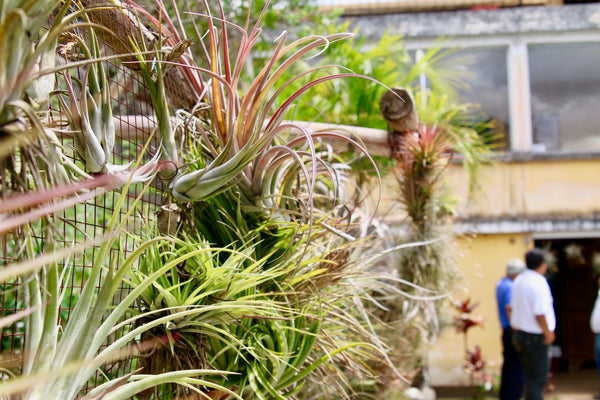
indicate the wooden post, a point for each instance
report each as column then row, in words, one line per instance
column 397, row 106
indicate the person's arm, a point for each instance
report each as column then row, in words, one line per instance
column 549, row 335
column 508, row 309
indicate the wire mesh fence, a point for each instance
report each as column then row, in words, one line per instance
column 86, row 222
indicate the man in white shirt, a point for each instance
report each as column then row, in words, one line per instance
column 533, row 321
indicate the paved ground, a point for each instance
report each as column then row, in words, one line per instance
column 575, row 385
column 578, row 384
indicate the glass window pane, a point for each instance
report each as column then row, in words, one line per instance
column 486, row 81
column 565, row 96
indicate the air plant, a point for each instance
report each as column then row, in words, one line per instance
column 475, row 366
column 26, row 80
column 90, row 115
column 20, row 66
column 463, row 322
column 153, row 72
column 21, row 209
column 63, row 363
column 253, row 309
column 241, row 137
column 423, row 157
column 226, row 310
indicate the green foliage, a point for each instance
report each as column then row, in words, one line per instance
column 355, row 101
column 352, row 101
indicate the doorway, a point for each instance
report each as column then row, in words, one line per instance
column 572, row 280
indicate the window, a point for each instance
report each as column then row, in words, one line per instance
column 565, row 96
column 487, row 85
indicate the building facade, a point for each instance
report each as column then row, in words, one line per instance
column 534, row 71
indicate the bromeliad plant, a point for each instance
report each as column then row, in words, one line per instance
column 229, row 321
column 475, row 366
column 258, row 272
column 22, row 60
column 279, row 320
column 90, row 113
column 240, row 139
column 27, row 155
column 60, row 360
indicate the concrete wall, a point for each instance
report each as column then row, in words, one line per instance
column 532, row 189
column 518, row 20
column 483, row 264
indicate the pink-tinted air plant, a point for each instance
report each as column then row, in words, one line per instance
column 23, row 208
column 475, row 366
column 474, row 361
column 465, row 306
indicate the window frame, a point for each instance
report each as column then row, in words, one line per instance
column 518, row 79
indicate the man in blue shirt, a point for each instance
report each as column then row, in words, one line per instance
column 513, row 378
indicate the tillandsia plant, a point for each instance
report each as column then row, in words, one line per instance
column 19, row 22
column 422, row 158
column 281, row 321
column 90, row 113
column 422, row 161
column 31, row 155
column 435, row 87
column 154, row 74
column 26, row 154
column 58, row 365
column 240, row 139
column 218, row 293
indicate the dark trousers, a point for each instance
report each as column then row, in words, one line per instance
column 513, row 377
column 534, row 357
column 597, row 345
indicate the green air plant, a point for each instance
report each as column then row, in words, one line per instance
column 202, row 281
column 273, row 322
column 28, row 155
column 90, row 115
column 31, row 155
column 20, row 66
column 58, row 365
column 154, row 72
column 30, row 30
column 226, row 308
